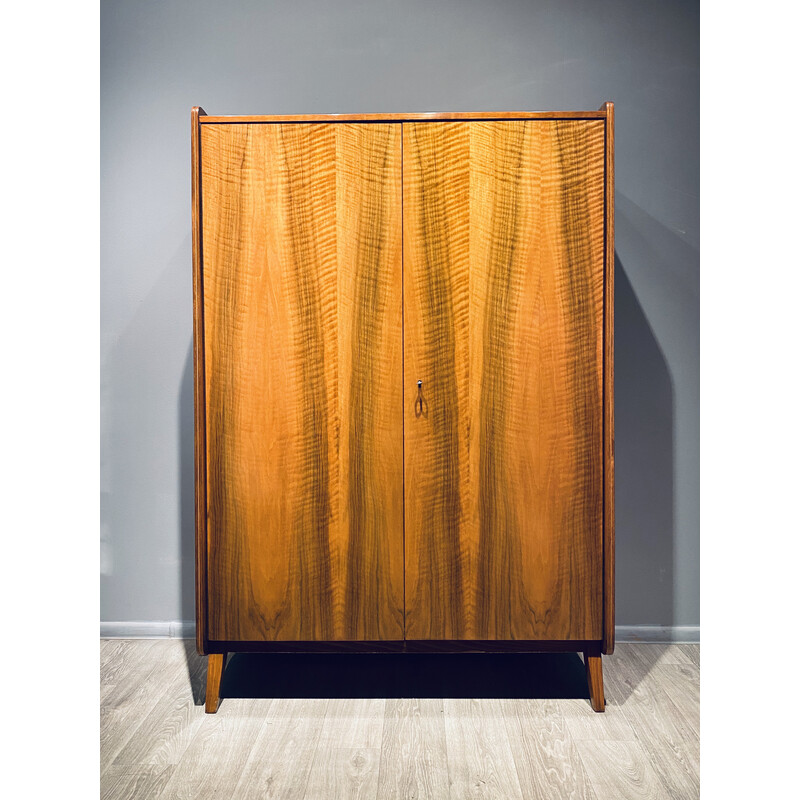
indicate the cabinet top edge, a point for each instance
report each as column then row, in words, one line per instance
column 433, row 116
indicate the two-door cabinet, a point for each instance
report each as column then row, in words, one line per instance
column 403, row 354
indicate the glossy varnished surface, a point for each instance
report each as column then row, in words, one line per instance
column 465, row 592
column 503, row 313
column 302, row 282
column 594, row 676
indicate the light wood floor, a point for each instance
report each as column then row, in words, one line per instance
column 157, row 742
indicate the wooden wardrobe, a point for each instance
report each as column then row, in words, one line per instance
column 403, row 359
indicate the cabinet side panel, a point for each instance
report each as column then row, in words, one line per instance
column 279, row 299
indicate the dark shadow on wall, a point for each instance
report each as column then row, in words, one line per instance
column 664, row 265
column 186, row 443
column 644, row 411
column 137, row 469
column 140, row 377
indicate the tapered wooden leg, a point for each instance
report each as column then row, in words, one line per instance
column 216, row 664
column 594, row 676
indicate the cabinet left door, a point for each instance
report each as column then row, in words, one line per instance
column 302, row 305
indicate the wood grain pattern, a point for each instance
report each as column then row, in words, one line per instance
column 216, row 666
column 508, row 322
column 663, row 720
column 133, row 782
column 216, row 756
column 302, row 284
column 682, row 684
column 118, row 657
column 594, row 677
column 583, row 722
column 200, row 565
column 414, row 751
column 144, row 680
column 436, row 340
column 621, row 771
column 348, row 756
column 281, row 757
column 693, row 654
column 544, row 753
column 164, row 734
column 503, row 313
column 154, row 748
column 370, row 330
column 479, row 757
column 608, row 390
column 650, row 655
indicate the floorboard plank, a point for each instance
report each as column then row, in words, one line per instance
column 414, row 751
column 666, row 730
column 126, row 782
column 681, row 684
column 674, row 689
column 692, row 653
column 347, row 758
column 119, row 660
column 280, row 759
column 621, row 771
column 146, row 678
column 164, row 734
column 545, row 757
column 479, row 757
column 212, row 764
column 156, row 744
column 584, row 723
column 648, row 656
column 344, row 772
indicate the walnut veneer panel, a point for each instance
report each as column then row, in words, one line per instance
column 303, row 357
column 503, row 305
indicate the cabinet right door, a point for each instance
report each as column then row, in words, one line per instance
column 503, row 242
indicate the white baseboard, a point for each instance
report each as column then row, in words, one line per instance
column 148, row 630
column 186, row 629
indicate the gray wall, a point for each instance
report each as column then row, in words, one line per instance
column 237, row 57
